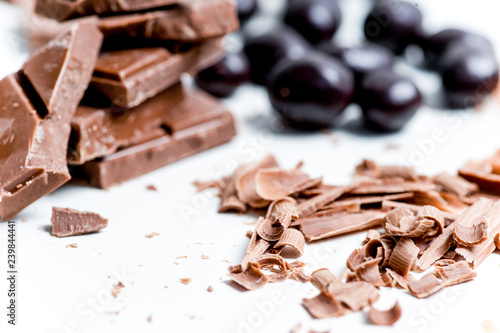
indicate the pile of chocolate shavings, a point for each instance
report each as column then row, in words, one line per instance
column 450, row 223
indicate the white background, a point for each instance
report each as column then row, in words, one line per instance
column 57, row 285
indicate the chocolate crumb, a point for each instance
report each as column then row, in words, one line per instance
column 204, row 257
column 181, row 257
column 117, row 289
column 152, row 188
column 392, row 146
column 185, row 281
column 150, row 318
column 210, row 289
column 151, row 235
column 74, row 245
column 489, row 327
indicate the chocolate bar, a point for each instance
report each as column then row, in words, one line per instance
column 37, row 106
column 195, row 123
column 187, row 22
column 65, row 9
column 190, row 21
column 129, row 77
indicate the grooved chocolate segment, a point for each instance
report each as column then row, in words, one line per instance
column 102, row 131
column 198, row 122
column 69, row 222
column 130, row 77
column 65, row 9
column 191, row 21
column 33, row 149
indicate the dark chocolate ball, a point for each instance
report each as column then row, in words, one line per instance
column 222, row 79
column 315, row 20
column 246, row 8
column 435, row 45
column 394, row 24
column 363, row 59
column 310, row 92
column 265, row 50
column 388, row 100
column 468, row 78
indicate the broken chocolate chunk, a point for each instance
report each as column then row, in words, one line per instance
column 38, row 104
column 69, row 222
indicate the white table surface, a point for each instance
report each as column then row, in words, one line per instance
column 69, row 289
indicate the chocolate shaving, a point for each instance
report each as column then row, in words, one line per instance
column 371, row 169
column 354, row 295
column 270, row 230
column 426, row 286
column 312, row 205
column 229, row 200
column 322, row 278
column 400, row 280
column 385, row 244
column 276, row 183
column 456, row 185
column 482, row 176
column 251, row 278
column 293, row 238
column 369, row 272
column 246, row 183
column 365, row 200
column 437, row 249
column 296, row 271
column 454, row 273
column 324, row 306
column 476, row 254
column 391, row 186
column 471, row 227
column 434, row 198
column 315, row 228
column 385, row 317
column 404, row 256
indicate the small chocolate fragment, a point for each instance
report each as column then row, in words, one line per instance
column 37, row 106
column 69, row 222
column 129, row 77
column 198, row 122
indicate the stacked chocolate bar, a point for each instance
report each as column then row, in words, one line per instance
column 106, row 96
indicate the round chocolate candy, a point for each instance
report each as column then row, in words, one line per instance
column 222, row 79
column 389, row 100
column 394, row 24
column 246, row 9
column 265, row 50
column 361, row 60
column 315, row 20
column 310, row 92
column 469, row 75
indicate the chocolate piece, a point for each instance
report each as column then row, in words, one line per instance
column 64, row 9
column 130, row 77
column 189, row 21
column 426, row 286
column 385, row 317
column 97, row 132
column 196, row 123
column 38, row 104
column 69, row 222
